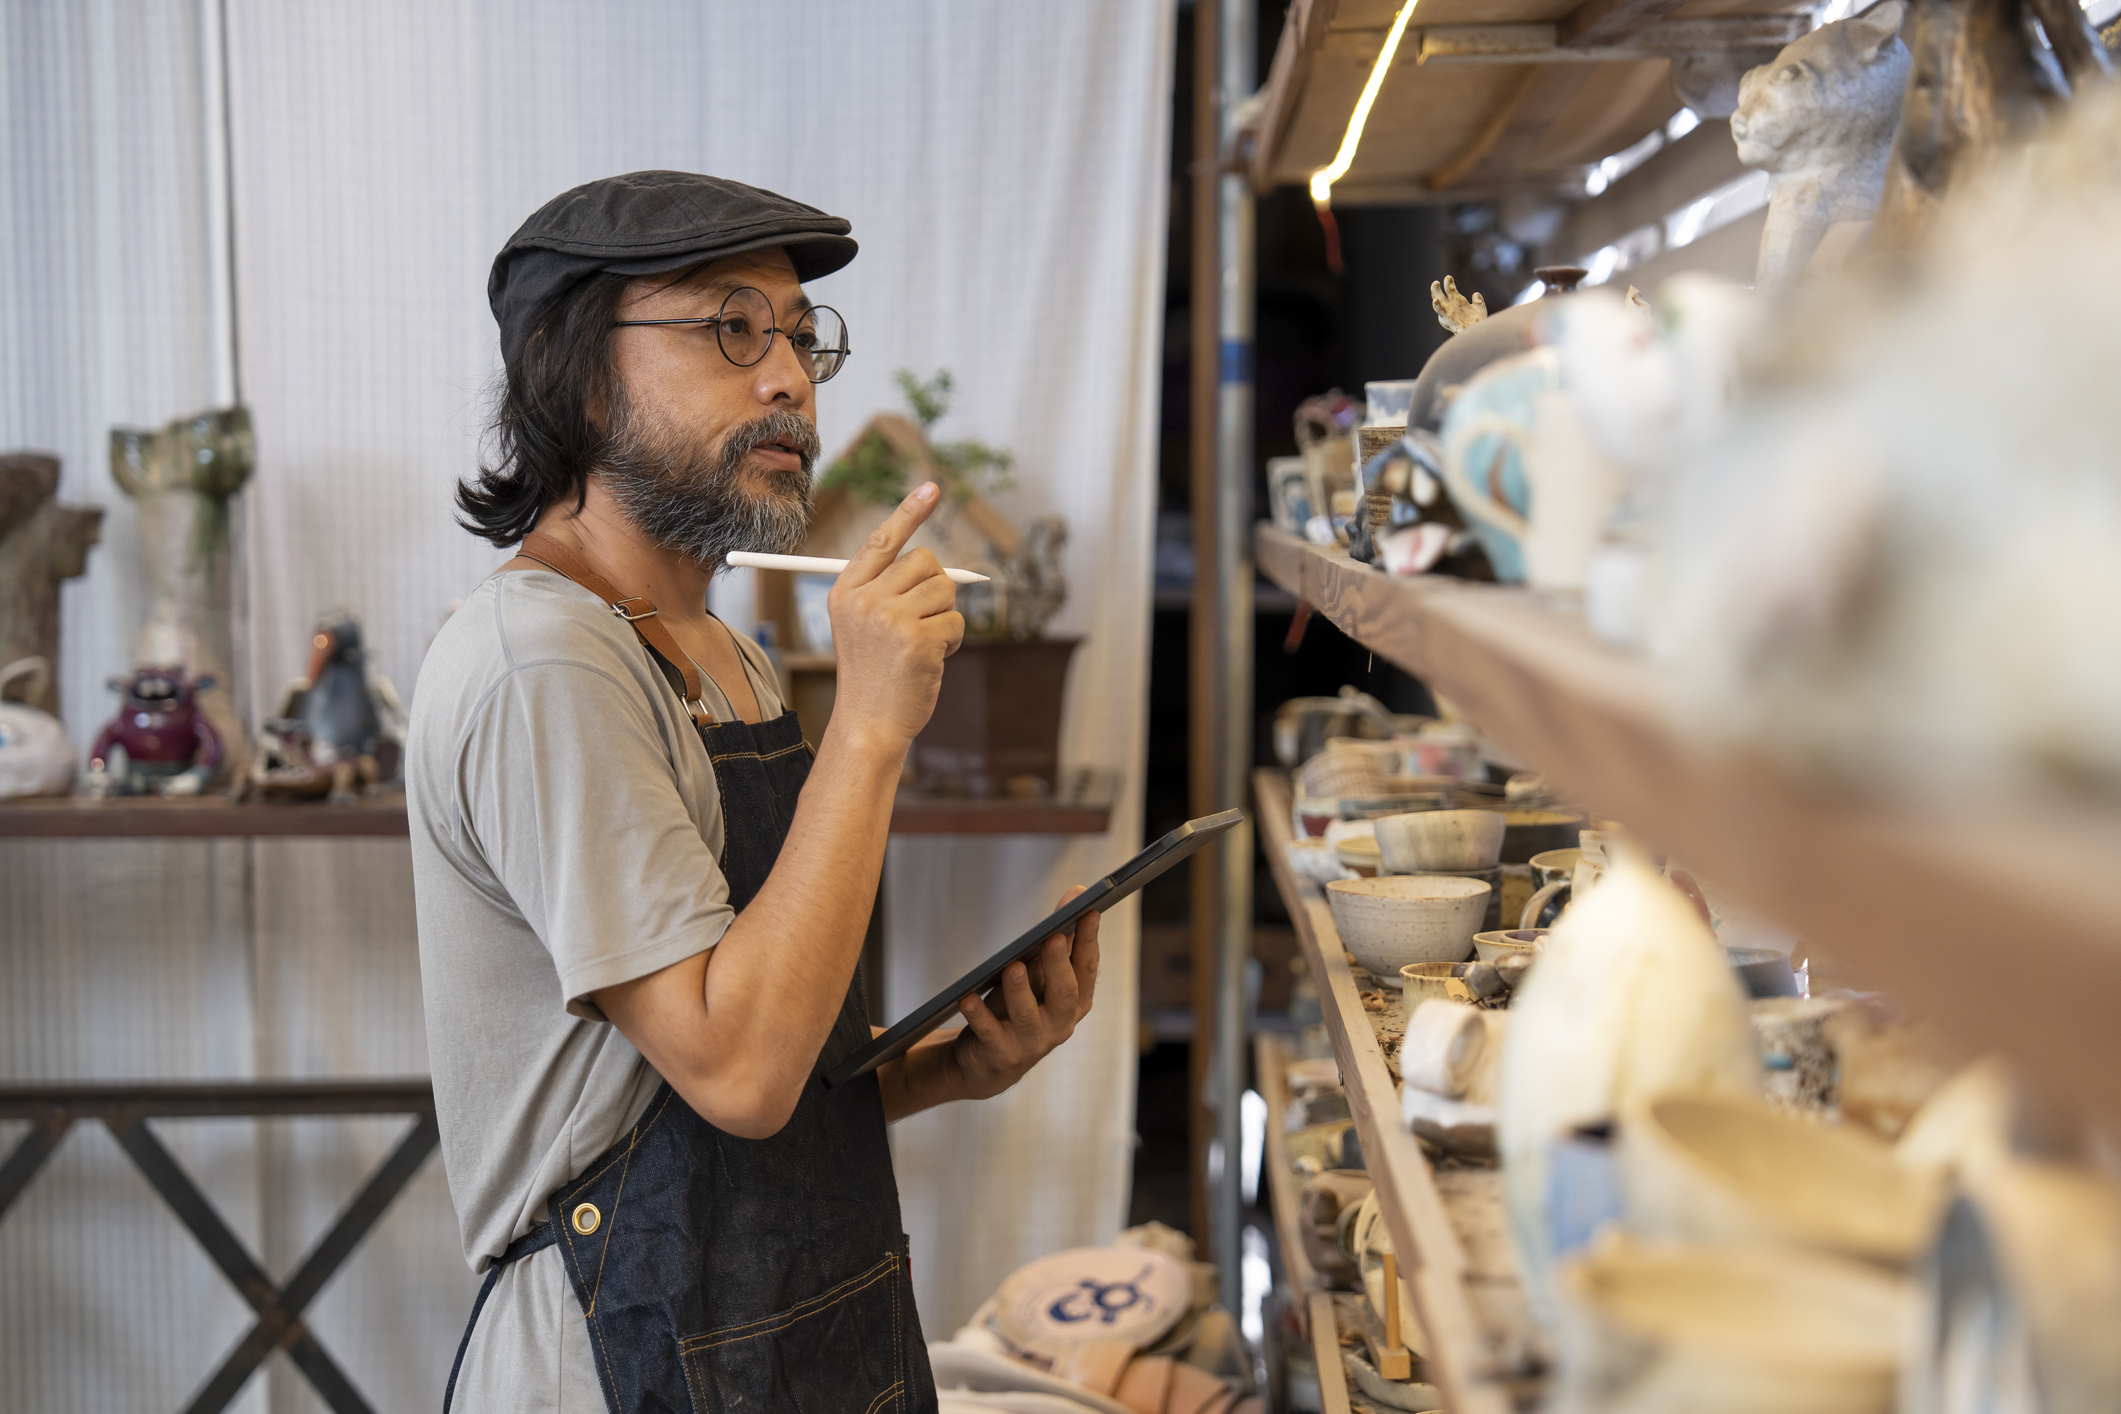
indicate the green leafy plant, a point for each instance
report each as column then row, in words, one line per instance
column 875, row 470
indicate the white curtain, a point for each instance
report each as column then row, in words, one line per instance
column 1005, row 169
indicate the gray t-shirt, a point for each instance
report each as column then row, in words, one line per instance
column 565, row 836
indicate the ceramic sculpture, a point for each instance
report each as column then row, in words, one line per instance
column 1819, row 121
column 161, row 742
column 1979, row 82
column 1631, row 998
column 340, row 730
column 41, row 543
column 182, row 478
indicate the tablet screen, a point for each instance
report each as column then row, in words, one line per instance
column 1181, row 844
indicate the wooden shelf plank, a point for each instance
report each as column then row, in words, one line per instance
column 1083, row 808
column 1434, row 1263
column 1994, row 919
column 1325, row 1349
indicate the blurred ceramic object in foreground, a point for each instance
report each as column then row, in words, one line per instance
column 1486, row 438
column 1631, row 999
column 1713, row 1168
column 36, row 758
column 1288, row 494
column 1820, row 120
column 1440, row 840
column 1546, row 905
column 1765, row 972
column 1897, row 569
column 1360, row 856
column 1735, row 1330
column 1389, row 922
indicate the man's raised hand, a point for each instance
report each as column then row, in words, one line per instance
column 894, row 621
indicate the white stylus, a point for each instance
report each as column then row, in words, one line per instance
column 813, row 564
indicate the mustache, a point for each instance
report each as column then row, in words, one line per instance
column 781, row 426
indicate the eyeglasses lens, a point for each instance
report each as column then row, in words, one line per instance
column 745, row 329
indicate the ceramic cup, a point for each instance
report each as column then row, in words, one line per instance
column 1554, row 865
column 1441, row 841
column 1495, row 946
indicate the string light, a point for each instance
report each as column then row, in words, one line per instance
column 1323, row 179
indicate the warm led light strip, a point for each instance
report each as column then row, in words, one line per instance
column 1323, row 179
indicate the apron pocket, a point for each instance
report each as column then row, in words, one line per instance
column 840, row 1350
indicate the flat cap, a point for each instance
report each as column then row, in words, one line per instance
column 645, row 223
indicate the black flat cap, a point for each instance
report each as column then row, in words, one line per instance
column 645, row 223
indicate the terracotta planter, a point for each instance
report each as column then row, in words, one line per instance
column 996, row 727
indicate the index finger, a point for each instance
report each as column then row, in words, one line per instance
column 884, row 543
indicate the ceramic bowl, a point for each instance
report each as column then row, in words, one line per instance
column 1737, row 1330
column 1453, row 840
column 1360, row 854
column 1554, row 865
column 1390, row 922
column 1423, row 982
column 1331, row 775
column 1708, row 1167
column 1494, row 947
column 1397, row 802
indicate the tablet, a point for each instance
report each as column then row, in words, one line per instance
column 1181, row 844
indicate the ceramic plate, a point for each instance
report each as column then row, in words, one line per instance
column 1093, row 1293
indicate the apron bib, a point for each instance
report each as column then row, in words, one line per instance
column 719, row 1273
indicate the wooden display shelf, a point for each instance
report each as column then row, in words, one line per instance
column 1486, row 97
column 1994, row 919
column 1433, row 1261
column 1082, row 807
column 1270, row 1061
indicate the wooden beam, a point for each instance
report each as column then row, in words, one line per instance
column 1303, row 34
column 1544, row 43
column 1601, row 24
column 1451, row 173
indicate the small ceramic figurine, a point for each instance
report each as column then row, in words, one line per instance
column 41, row 543
column 160, row 743
column 1819, row 121
column 35, row 756
column 339, row 730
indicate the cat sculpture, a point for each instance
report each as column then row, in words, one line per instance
column 1819, row 121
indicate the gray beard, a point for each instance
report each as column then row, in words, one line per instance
column 692, row 500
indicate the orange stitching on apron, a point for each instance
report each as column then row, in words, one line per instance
column 757, row 756
column 877, row 1402
column 802, row 1310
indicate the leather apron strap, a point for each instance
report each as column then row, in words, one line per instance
column 638, row 610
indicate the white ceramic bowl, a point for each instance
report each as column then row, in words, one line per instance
column 1729, row 1330
column 1705, row 1167
column 1392, row 921
column 1441, row 839
column 1510, row 942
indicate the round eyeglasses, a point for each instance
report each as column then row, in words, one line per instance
column 744, row 328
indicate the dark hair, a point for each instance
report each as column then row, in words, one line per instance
column 544, row 441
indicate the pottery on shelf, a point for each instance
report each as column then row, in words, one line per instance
column 1502, row 943
column 1452, row 840
column 1553, row 865
column 1631, row 999
column 1725, row 1168
column 1530, row 832
column 1730, row 1330
column 1392, row 921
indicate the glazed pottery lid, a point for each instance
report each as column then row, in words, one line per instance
column 1093, row 1293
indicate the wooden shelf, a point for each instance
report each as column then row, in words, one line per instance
column 1994, row 919
column 1462, row 1356
column 200, row 817
column 1489, row 96
column 1084, row 807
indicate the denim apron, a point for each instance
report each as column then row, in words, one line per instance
column 720, row 1273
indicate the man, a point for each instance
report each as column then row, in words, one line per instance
column 641, row 902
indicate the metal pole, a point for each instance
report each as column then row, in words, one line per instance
column 1232, row 572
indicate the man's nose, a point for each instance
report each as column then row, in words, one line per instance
column 781, row 375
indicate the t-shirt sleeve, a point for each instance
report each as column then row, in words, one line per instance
column 566, row 782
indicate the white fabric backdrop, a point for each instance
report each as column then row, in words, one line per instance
column 1004, row 166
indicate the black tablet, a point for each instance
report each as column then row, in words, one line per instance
column 1181, row 844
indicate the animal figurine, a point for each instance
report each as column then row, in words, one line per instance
column 160, row 743
column 41, row 543
column 339, row 730
column 1819, row 121
column 35, row 756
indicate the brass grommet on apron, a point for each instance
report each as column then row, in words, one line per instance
column 586, row 1219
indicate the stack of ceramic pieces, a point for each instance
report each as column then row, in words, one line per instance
column 1335, row 775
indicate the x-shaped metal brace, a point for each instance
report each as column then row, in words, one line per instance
column 52, row 1111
